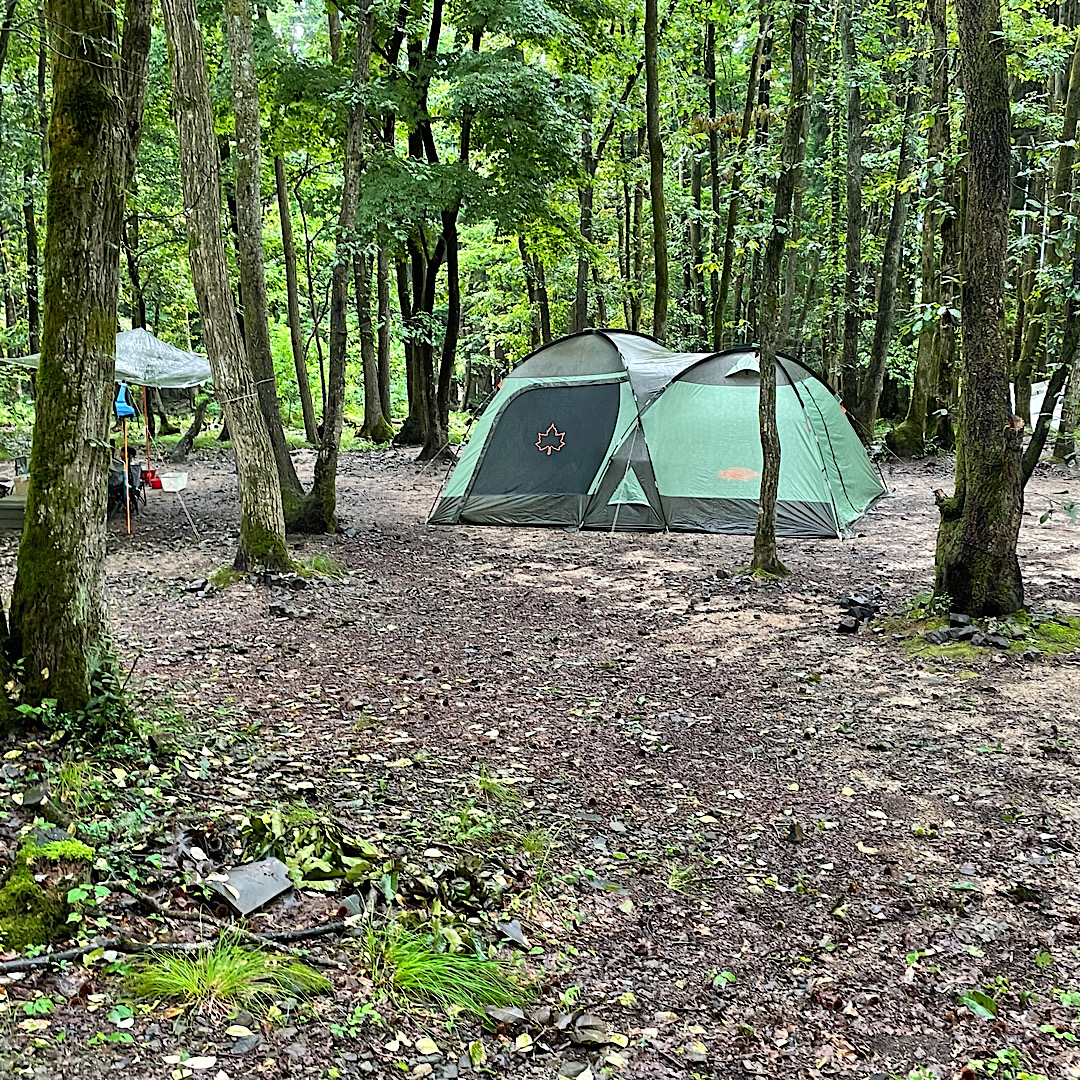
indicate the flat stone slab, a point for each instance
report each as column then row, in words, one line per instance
column 251, row 886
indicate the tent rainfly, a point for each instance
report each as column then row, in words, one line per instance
column 607, row 429
column 144, row 360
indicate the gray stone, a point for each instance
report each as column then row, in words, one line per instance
column 957, row 618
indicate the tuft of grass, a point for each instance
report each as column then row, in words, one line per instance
column 495, row 790
column 538, row 843
column 324, row 565
column 223, row 577
column 681, row 879
column 225, row 974
column 412, row 969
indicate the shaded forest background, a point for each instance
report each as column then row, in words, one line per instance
column 506, row 195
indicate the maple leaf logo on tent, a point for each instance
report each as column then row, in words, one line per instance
column 549, row 440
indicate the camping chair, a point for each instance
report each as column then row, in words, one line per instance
column 136, row 494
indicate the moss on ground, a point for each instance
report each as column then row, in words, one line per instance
column 34, row 912
column 1048, row 634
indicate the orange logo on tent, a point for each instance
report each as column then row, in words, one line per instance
column 737, row 474
column 549, row 440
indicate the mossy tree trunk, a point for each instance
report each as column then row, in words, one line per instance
column 262, row 526
column 976, row 564
column 792, row 150
column 251, row 257
column 58, row 625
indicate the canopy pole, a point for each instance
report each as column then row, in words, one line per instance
column 146, row 427
column 127, row 489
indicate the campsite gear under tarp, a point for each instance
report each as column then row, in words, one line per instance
column 607, row 429
column 144, row 360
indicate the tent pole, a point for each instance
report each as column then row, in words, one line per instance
column 127, row 490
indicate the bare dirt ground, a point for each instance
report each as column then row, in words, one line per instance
column 775, row 850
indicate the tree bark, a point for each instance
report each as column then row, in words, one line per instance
column 249, row 245
column 58, row 625
column 262, row 525
column 320, row 509
column 656, row 173
column 33, row 316
column 376, row 427
column 382, row 278
column 849, row 360
column 792, row 150
column 976, row 564
column 292, row 293
column 714, row 180
column 187, row 440
column 890, row 266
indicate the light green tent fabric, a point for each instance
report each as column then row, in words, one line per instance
column 609, row 430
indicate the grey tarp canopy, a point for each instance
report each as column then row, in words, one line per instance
column 144, row 360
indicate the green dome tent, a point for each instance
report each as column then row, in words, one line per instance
column 607, row 429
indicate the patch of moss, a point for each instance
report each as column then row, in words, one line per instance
column 223, row 577
column 32, row 912
column 59, row 851
column 1057, row 636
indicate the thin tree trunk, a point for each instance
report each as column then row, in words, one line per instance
column 382, row 278
column 976, row 565
column 831, row 333
column 411, row 432
column 637, row 289
column 57, row 633
column 376, row 427
column 187, row 440
column 890, row 265
column 312, row 303
column 908, row 439
column 1059, row 199
column 320, row 507
column 656, row 173
column 714, row 180
column 33, row 317
column 262, row 525
column 765, row 559
column 249, row 245
column 292, row 293
column 333, row 22
column 700, row 322
column 579, row 312
column 530, row 290
column 719, row 312
column 849, row 362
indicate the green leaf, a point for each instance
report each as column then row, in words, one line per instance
column 979, row 1003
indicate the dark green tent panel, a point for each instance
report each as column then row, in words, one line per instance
column 607, row 429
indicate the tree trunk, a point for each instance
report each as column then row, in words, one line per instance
column 58, row 626
column 382, row 278
column 579, row 312
column 656, row 173
column 33, row 317
column 976, row 564
column 792, row 150
column 719, row 312
column 376, row 427
column 321, row 504
column 908, row 439
column 293, row 296
column 187, row 440
column 249, row 244
column 530, row 290
column 890, row 266
column 333, row 24
column 1062, row 192
column 849, row 360
column 312, row 302
column 714, row 180
column 700, row 324
column 411, row 432
column 831, row 329
column 262, row 525
column 637, row 289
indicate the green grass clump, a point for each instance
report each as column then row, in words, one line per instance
column 495, row 790
column 1058, row 636
column 224, row 974
column 410, row 966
